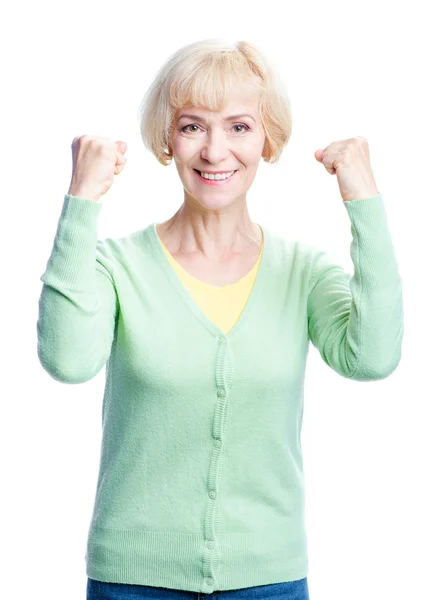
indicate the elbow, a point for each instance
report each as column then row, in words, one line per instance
column 65, row 374
column 390, row 368
column 373, row 372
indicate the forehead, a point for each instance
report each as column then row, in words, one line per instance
column 234, row 105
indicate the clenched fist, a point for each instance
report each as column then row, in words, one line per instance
column 95, row 162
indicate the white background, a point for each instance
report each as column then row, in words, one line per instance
column 370, row 448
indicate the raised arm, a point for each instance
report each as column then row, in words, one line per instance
column 78, row 305
column 356, row 322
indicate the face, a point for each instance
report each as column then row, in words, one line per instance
column 213, row 141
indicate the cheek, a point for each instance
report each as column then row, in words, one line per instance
column 251, row 148
column 185, row 149
column 178, row 145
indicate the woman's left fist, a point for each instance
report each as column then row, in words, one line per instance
column 350, row 161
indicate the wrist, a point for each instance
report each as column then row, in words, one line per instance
column 83, row 194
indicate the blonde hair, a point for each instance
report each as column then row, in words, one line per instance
column 202, row 74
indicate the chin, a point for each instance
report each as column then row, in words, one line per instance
column 214, row 203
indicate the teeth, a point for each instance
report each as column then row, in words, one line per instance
column 217, row 176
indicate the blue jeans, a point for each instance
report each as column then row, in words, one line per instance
column 289, row 590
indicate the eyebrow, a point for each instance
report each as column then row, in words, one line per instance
column 230, row 118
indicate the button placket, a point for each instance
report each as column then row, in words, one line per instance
column 221, row 392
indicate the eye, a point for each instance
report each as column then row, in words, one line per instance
column 193, row 125
column 241, row 125
column 185, row 128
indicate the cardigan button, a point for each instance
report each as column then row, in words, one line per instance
column 222, row 340
column 221, row 391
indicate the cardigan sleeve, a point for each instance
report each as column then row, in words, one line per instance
column 78, row 305
column 356, row 322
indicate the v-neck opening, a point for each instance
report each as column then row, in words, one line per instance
column 190, row 302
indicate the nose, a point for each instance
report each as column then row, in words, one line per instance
column 215, row 147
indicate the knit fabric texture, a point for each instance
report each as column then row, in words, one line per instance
column 201, row 484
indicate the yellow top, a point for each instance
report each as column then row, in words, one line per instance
column 222, row 304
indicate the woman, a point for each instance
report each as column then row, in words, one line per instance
column 203, row 322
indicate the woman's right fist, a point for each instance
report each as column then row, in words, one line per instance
column 95, row 162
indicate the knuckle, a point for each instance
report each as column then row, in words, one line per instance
column 79, row 139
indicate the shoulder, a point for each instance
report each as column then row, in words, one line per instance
column 291, row 250
column 117, row 249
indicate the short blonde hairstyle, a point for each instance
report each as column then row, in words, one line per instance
column 202, row 74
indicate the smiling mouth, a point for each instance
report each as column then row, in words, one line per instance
column 197, row 170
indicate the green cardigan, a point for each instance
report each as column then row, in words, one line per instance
column 201, row 483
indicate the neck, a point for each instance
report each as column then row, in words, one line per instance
column 214, row 234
